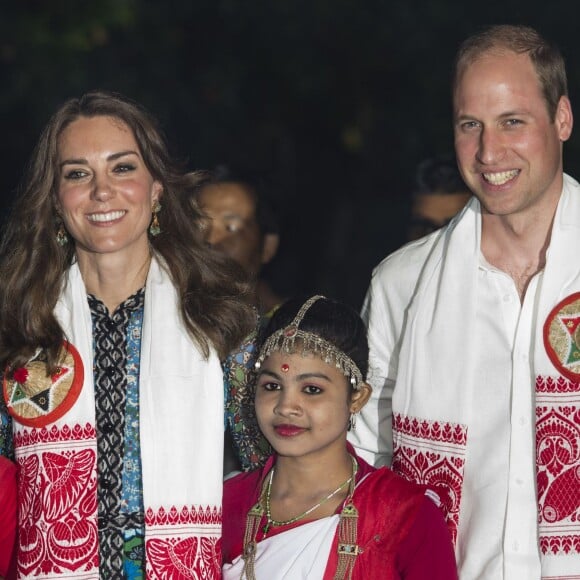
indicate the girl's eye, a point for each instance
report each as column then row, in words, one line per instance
column 271, row 386
column 312, row 390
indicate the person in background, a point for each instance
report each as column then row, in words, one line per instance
column 474, row 330
column 8, row 516
column 439, row 194
column 114, row 314
column 242, row 224
column 316, row 510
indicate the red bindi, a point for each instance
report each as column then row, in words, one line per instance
column 285, row 368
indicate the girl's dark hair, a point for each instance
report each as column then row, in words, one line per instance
column 334, row 321
column 213, row 290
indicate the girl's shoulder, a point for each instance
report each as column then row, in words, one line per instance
column 245, row 487
column 8, row 470
column 382, row 480
column 390, row 487
column 242, row 481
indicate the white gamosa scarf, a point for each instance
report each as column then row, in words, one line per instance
column 442, row 312
column 181, row 441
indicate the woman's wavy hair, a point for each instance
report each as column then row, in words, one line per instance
column 332, row 320
column 212, row 289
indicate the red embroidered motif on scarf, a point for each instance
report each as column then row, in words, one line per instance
column 26, row 437
column 193, row 557
column 190, row 557
column 432, row 453
column 58, row 528
column 558, row 464
column 194, row 515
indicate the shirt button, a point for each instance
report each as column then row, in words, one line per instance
column 507, row 298
column 519, row 481
column 516, row 546
column 522, row 421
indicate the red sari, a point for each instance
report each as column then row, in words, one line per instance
column 401, row 532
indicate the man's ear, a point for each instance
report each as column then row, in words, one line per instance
column 270, row 245
column 564, row 119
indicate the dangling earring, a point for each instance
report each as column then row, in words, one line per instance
column 155, row 228
column 352, row 422
column 61, row 236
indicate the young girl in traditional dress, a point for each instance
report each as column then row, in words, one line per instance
column 316, row 510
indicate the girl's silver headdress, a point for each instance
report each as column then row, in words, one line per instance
column 284, row 340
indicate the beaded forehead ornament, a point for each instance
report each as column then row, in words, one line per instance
column 284, row 340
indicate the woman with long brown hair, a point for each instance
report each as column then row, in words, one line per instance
column 113, row 317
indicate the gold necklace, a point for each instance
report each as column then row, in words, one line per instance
column 270, row 521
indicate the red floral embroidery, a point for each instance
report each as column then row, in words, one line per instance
column 27, row 437
column 560, row 544
column 556, row 385
column 558, row 464
column 194, row 555
column 431, row 430
column 193, row 515
column 58, row 515
column 432, row 453
column 57, row 510
column 190, row 558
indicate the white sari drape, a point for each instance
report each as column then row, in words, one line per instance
column 300, row 552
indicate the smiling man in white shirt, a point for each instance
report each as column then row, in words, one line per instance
column 475, row 329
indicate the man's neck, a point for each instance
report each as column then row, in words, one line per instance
column 517, row 244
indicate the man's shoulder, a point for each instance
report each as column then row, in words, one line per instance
column 404, row 265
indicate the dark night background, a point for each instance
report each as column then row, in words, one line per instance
column 335, row 101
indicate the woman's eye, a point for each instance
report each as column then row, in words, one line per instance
column 124, row 168
column 75, row 174
column 312, row 390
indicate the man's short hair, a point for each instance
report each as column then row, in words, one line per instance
column 545, row 56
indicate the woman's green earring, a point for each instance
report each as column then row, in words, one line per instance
column 155, row 228
column 61, row 236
